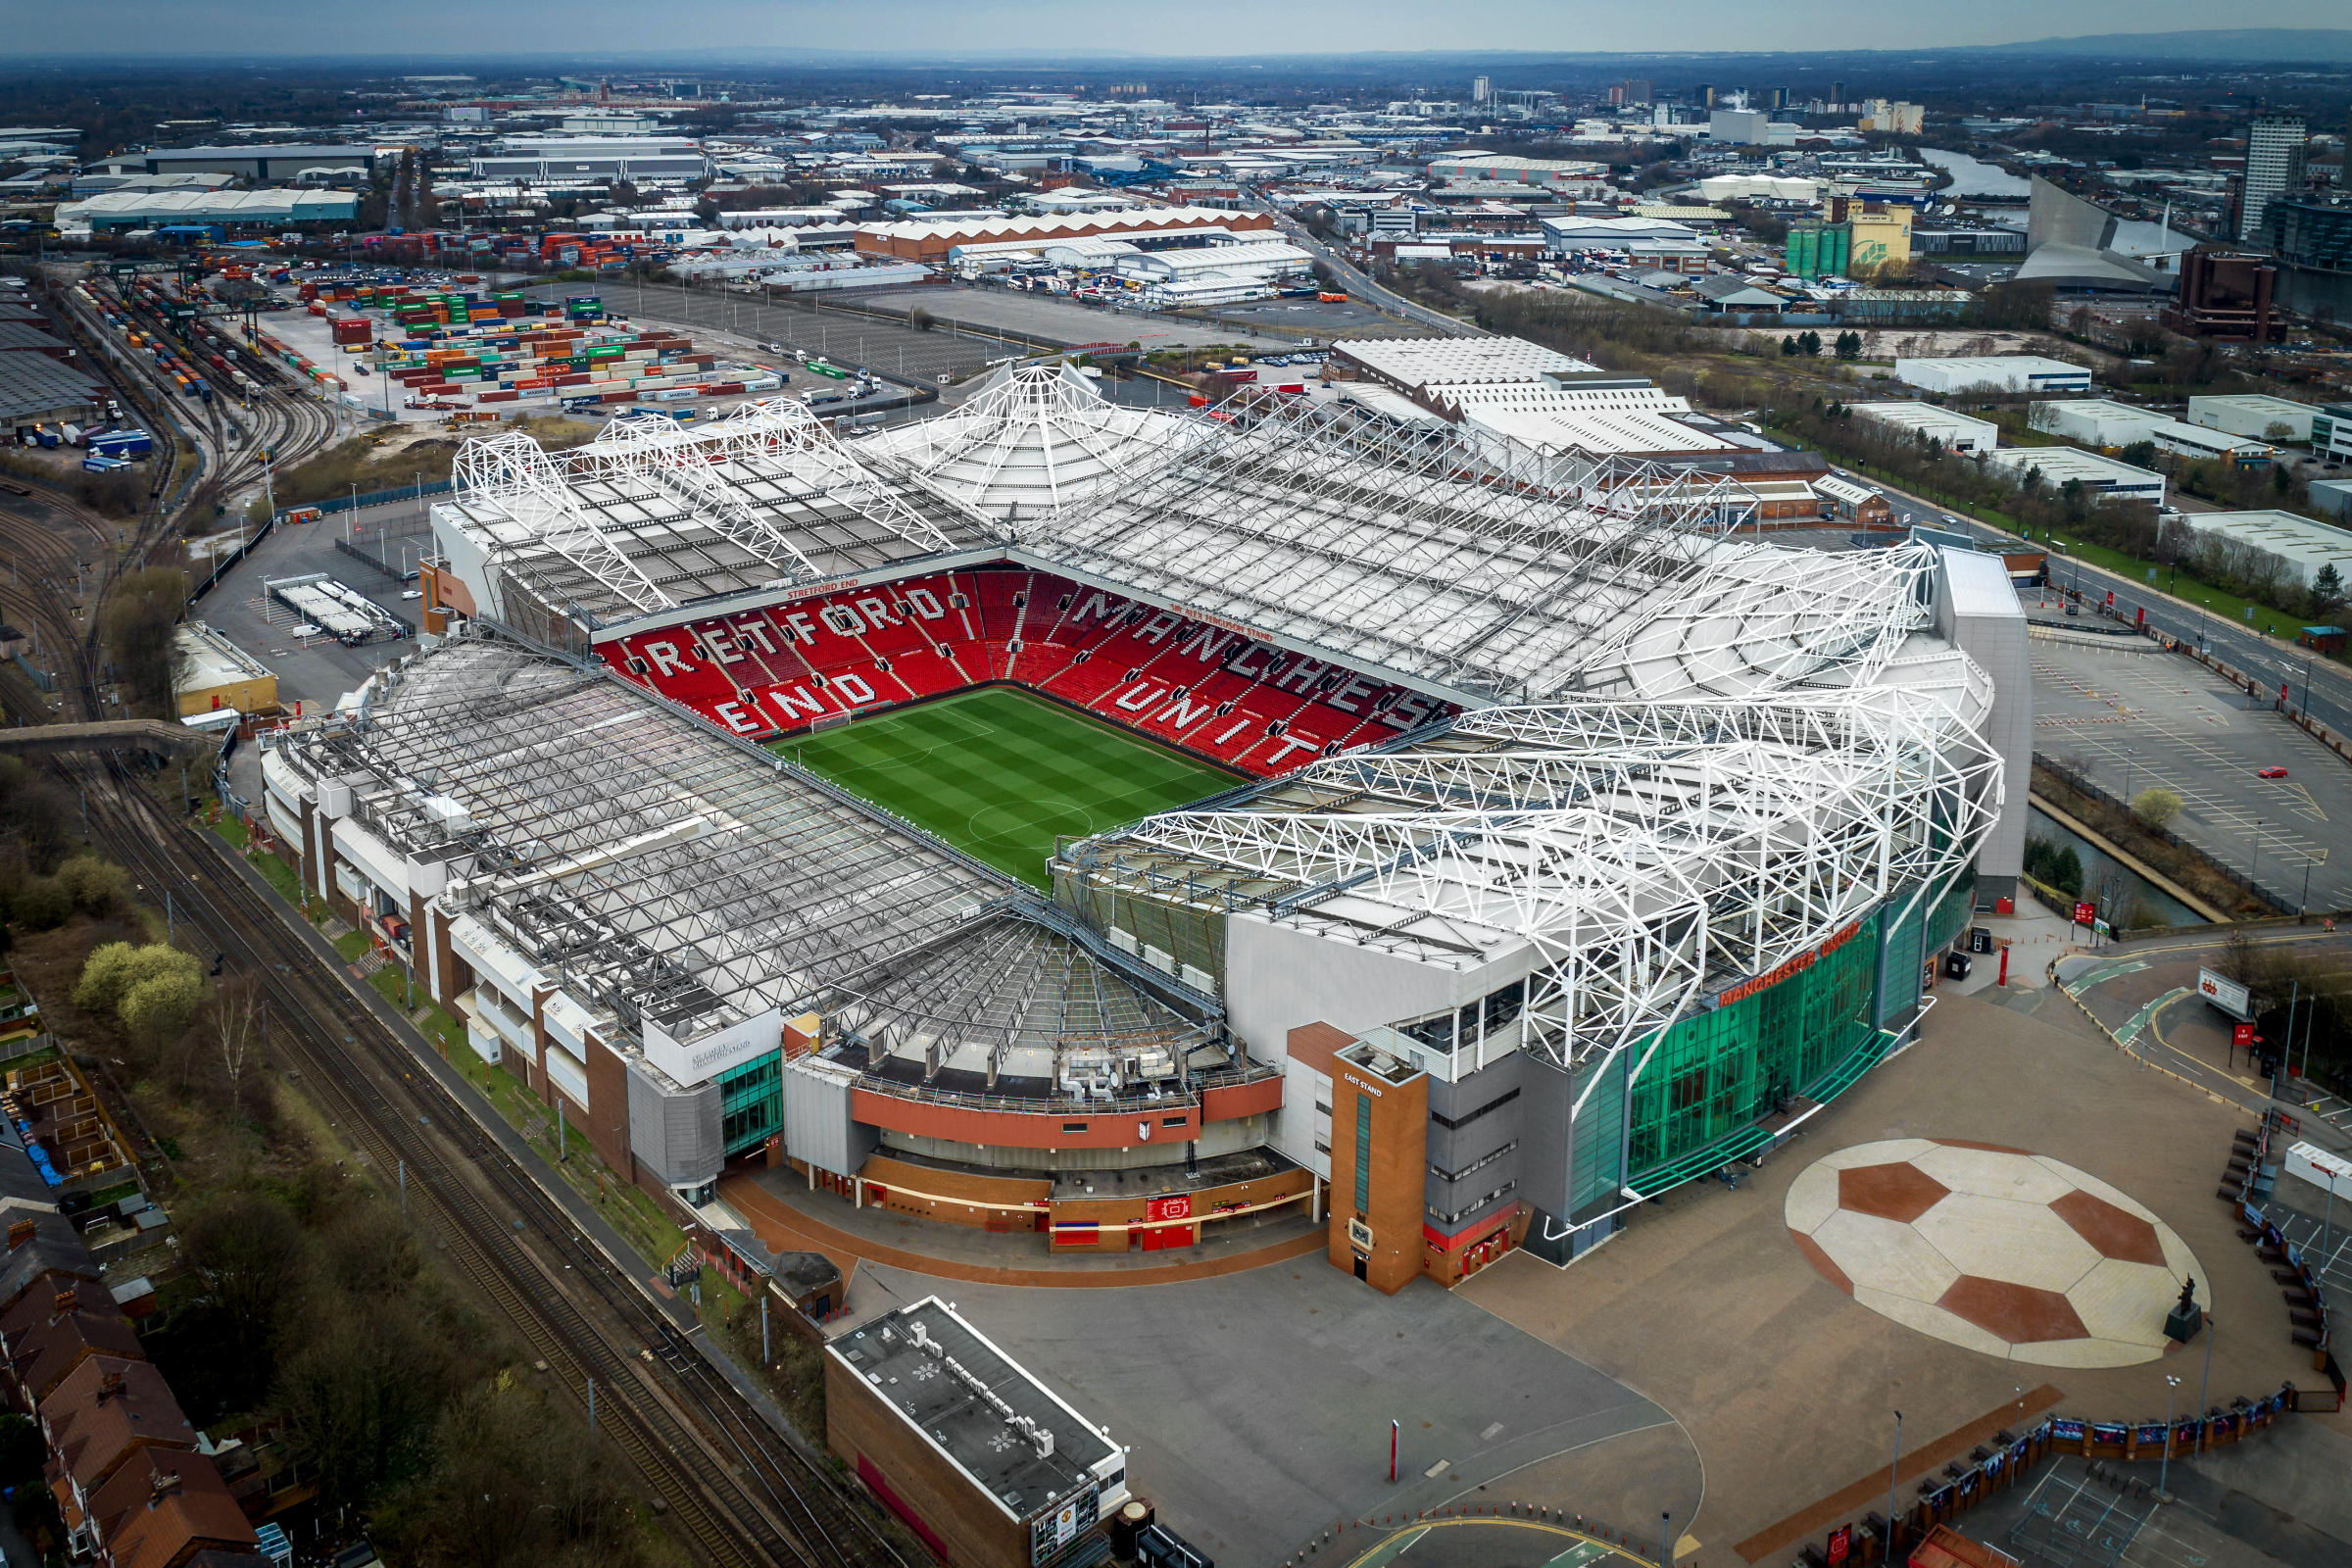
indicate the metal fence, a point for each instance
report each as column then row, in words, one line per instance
column 373, row 498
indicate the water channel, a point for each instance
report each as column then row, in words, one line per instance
column 1971, row 176
column 2150, row 903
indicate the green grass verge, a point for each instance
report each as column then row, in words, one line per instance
column 630, row 1212
column 2267, row 619
column 1000, row 773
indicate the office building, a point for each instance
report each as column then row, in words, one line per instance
column 2274, row 152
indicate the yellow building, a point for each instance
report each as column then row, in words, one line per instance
column 211, row 673
column 1879, row 237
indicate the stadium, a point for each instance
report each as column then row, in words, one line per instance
column 1055, row 815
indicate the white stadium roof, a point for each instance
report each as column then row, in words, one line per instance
column 1036, row 439
column 1690, row 755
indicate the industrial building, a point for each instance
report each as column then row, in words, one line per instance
column 211, row 673
column 2281, row 421
column 2104, row 422
column 230, row 209
column 1731, row 800
column 965, row 1445
column 264, row 162
column 2304, row 545
column 1993, row 373
column 1930, row 421
column 2102, row 475
column 2331, row 432
column 931, row 241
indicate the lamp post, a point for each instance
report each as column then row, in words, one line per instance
column 1893, row 1474
column 2164, row 1470
column 2206, row 1381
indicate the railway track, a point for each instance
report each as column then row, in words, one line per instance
column 742, row 1491
column 744, row 1494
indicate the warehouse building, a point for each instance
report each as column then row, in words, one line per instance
column 210, row 675
column 1993, row 373
column 1240, row 271
column 2281, row 421
column 2306, row 546
column 1416, row 365
column 987, row 1465
column 2108, row 476
column 266, row 164
column 545, row 160
column 930, row 242
column 35, row 389
column 1928, row 421
column 2105, row 422
column 230, row 209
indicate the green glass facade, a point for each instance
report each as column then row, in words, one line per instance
column 1718, row 1072
column 751, row 1103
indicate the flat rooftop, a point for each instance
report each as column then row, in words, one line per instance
column 1009, row 1434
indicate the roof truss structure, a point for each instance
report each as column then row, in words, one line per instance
column 1639, row 849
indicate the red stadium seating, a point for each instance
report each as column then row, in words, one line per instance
column 1189, row 684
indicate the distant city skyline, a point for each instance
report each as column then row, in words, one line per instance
column 1209, row 29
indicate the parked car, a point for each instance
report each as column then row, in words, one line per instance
column 2270, row 772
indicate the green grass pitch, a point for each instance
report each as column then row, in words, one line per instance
column 999, row 773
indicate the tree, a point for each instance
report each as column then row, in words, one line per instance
column 2327, row 593
column 139, row 619
column 1849, row 345
column 1808, row 342
column 253, row 1260
column 2155, row 805
column 1788, row 348
column 98, row 887
column 362, row 1398
column 158, row 1010
column 2141, row 454
column 113, row 971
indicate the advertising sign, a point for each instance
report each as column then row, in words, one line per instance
column 2226, row 994
column 2086, row 911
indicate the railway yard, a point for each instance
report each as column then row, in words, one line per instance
column 718, row 1461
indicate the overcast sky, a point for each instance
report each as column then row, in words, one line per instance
column 1185, row 28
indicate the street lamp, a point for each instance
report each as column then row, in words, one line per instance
column 2164, row 1470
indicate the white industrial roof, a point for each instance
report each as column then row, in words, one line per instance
column 1155, row 221
column 1921, row 416
column 116, row 207
column 2061, row 464
column 1423, row 362
column 2309, row 545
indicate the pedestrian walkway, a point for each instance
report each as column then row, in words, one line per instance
column 782, row 1219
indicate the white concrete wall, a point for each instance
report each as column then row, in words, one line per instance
column 1277, row 978
column 1977, row 608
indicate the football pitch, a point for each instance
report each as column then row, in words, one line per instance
column 999, row 773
